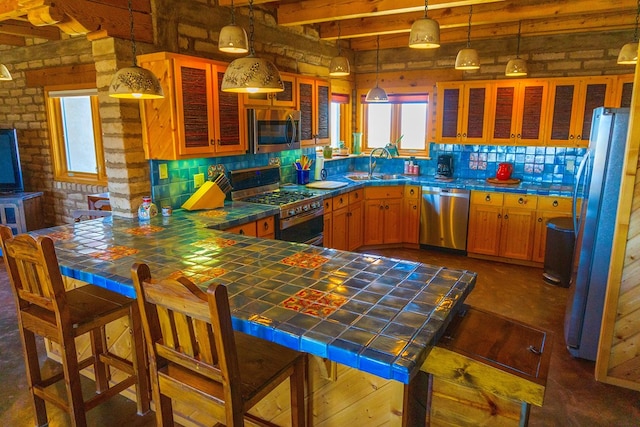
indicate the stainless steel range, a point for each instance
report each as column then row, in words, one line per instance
column 301, row 211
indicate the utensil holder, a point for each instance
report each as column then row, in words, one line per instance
column 303, row 176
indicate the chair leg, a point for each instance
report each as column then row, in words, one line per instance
column 34, row 376
column 139, row 359
column 296, row 380
column 72, row 381
column 101, row 369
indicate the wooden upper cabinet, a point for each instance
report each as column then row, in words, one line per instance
column 571, row 108
column 287, row 98
column 624, row 90
column 518, row 110
column 314, row 103
column 462, row 112
column 195, row 118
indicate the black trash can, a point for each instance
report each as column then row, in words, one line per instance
column 558, row 256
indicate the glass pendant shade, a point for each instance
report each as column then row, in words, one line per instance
column 5, row 75
column 252, row 75
column 467, row 59
column 516, row 67
column 339, row 66
column 628, row 54
column 135, row 83
column 377, row 94
column 425, row 34
column 233, row 39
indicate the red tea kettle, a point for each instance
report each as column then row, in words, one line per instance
column 504, row 171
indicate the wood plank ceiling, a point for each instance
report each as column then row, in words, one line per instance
column 356, row 22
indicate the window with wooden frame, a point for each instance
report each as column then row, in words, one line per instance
column 340, row 116
column 76, row 135
column 403, row 120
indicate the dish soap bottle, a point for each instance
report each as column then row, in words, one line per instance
column 147, row 209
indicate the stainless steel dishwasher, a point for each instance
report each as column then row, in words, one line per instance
column 444, row 217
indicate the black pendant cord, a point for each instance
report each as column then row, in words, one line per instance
column 469, row 29
column 233, row 14
column 377, row 58
column 338, row 42
column 426, row 7
column 251, row 29
column 133, row 40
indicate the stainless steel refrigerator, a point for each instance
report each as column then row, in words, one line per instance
column 598, row 184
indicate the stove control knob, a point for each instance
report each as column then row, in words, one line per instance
column 305, row 208
column 291, row 212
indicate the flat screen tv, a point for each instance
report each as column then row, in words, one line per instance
column 10, row 171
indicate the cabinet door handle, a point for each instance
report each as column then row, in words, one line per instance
column 341, row 202
column 499, row 216
column 555, row 203
column 513, row 135
column 412, row 192
column 521, row 201
column 579, row 137
column 265, row 225
column 534, row 350
column 355, row 195
column 571, row 136
column 539, row 219
column 241, row 232
column 519, row 136
column 458, row 135
column 415, row 207
column 464, row 135
column 381, row 206
column 386, row 207
column 488, row 198
column 212, row 142
column 506, row 217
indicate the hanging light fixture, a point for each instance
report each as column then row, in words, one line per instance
column 251, row 74
column 377, row 94
column 339, row 64
column 5, row 75
column 467, row 58
column 233, row 38
column 425, row 32
column 135, row 82
column 517, row 66
column 629, row 52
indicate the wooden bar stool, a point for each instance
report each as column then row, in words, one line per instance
column 197, row 359
column 46, row 309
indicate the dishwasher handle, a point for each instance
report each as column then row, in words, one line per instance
column 447, row 192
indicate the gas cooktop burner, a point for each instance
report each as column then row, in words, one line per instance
column 280, row 197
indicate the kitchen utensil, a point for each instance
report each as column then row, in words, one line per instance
column 504, row 171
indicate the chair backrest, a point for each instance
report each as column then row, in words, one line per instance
column 34, row 272
column 181, row 328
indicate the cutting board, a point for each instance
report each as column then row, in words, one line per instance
column 496, row 181
column 327, row 185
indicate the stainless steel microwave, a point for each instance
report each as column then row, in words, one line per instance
column 273, row 129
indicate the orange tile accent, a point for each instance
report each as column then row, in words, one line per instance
column 212, row 213
column 305, row 260
column 60, row 235
column 114, row 253
column 214, row 243
column 316, row 303
column 143, row 230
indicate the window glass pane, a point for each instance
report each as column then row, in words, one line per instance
column 413, row 126
column 378, row 125
column 77, row 126
column 335, row 124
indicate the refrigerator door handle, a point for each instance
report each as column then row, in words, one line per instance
column 579, row 176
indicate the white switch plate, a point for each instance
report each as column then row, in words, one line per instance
column 163, row 171
column 198, row 180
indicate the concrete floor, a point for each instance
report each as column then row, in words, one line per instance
column 573, row 397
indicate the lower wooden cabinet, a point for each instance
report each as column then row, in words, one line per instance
column 511, row 225
column 383, row 215
column 22, row 212
column 411, row 215
column 327, row 238
column 263, row 228
column 347, row 220
column 502, row 224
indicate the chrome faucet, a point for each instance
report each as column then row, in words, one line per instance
column 372, row 164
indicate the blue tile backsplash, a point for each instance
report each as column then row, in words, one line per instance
column 548, row 165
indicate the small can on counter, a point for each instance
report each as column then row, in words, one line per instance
column 167, row 211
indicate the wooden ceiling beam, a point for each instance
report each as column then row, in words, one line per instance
column 315, row 11
column 26, row 29
column 540, row 27
column 494, row 14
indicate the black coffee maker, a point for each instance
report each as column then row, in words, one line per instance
column 445, row 166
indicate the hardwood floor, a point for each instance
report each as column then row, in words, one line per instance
column 573, row 397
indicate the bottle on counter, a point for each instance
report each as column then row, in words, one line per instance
column 147, row 209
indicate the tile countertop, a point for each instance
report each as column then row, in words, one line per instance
column 376, row 314
column 540, row 189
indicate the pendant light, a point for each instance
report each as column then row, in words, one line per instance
column 339, row 64
column 251, row 74
column 135, row 82
column 517, row 66
column 377, row 94
column 467, row 58
column 233, row 38
column 425, row 32
column 629, row 52
column 5, row 75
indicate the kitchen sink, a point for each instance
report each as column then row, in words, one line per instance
column 375, row 177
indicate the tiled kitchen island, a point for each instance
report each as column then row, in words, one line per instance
column 376, row 315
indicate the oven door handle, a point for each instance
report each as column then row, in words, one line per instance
column 316, row 241
column 299, row 219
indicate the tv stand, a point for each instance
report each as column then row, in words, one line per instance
column 21, row 211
